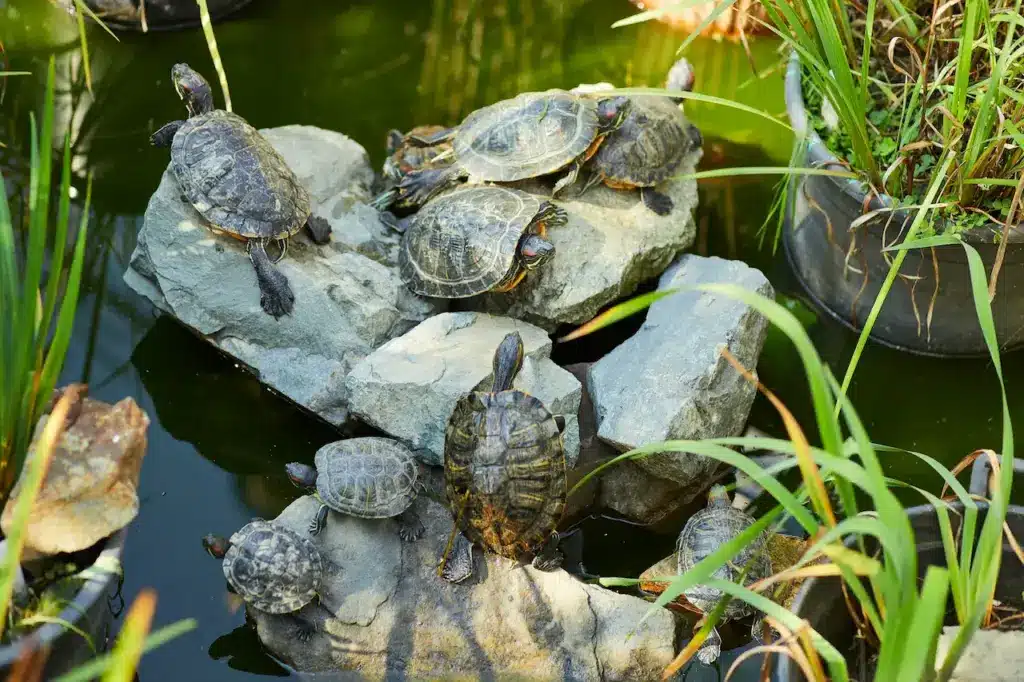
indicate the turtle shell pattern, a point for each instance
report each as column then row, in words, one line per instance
column 705, row 532
column 532, row 134
column 511, row 443
column 649, row 145
column 372, row 478
column 463, row 243
column 273, row 568
column 235, row 179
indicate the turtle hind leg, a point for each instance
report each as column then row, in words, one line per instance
column 568, row 179
column 711, row 649
column 410, row 528
column 276, row 297
column 430, row 140
column 319, row 229
column 418, row 187
column 164, row 136
column 383, row 201
column 656, row 201
column 549, row 557
column 457, row 565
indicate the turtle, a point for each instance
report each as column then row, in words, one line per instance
column 529, row 135
column 405, row 157
column 372, row 478
column 273, row 568
column 504, row 471
column 474, row 239
column 705, row 532
column 240, row 185
column 647, row 148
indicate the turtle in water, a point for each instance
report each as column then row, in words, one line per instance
column 475, row 239
column 372, row 478
column 532, row 134
column 704, row 533
column 405, row 157
column 648, row 147
column 273, row 568
column 241, row 186
column 504, row 471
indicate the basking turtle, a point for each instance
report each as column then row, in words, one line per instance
column 704, row 533
column 532, row 134
column 475, row 239
column 238, row 183
column 372, row 478
column 504, row 471
column 405, row 157
column 650, row 144
column 273, row 568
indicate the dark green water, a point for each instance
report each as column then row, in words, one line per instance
column 219, row 440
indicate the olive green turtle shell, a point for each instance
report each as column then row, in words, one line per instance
column 273, row 568
column 504, row 460
column 235, row 179
column 532, row 134
column 649, row 145
column 464, row 242
column 705, row 532
column 373, row 478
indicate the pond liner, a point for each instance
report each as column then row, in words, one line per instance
column 930, row 308
column 91, row 611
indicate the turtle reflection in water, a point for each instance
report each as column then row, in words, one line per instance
column 238, row 183
column 504, row 470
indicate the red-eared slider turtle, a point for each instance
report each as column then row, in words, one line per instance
column 273, row 568
column 372, row 478
column 532, row 134
column 405, row 157
column 650, row 144
column 475, row 239
column 238, row 183
column 504, row 471
column 705, row 532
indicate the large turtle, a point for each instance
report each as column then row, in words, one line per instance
column 238, row 183
column 372, row 478
column 532, row 134
column 273, row 568
column 704, row 533
column 504, row 471
column 649, row 145
column 474, row 239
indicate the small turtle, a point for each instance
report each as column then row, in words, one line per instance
column 475, row 239
column 648, row 147
column 404, row 157
column 504, row 471
column 241, row 186
column 704, row 533
column 273, row 568
column 532, row 134
column 372, row 478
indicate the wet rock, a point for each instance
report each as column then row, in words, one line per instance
column 670, row 381
column 386, row 613
column 611, row 243
column 348, row 296
column 409, row 386
column 629, row 490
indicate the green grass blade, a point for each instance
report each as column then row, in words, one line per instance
column 97, row 666
column 211, row 43
column 915, row 655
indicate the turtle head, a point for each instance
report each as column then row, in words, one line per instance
column 611, row 112
column 508, row 359
column 192, row 88
column 718, row 496
column 216, row 546
column 301, row 475
column 680, row 76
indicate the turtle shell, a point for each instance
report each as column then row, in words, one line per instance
column 532, row 134
column 372, row 478
column 705, row 532
column 273, row 568
column 649, row 145
column 464, row 242
column 504, row 461
column 235, row 179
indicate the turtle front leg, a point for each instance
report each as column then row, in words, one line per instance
column 164, row 136
column 319, row 229
column 430, row 140
column 656, row 201
column 549, row 557
column 419, row 187
column 410, row 528
column 457, row 565
column 276, row 297
column 569, row 178
column 319, row 521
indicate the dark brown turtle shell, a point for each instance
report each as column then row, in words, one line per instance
column 273, row 568
column 504, row 461
column 235, row 178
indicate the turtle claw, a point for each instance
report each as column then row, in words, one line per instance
column 410, row 528
column 458, row 565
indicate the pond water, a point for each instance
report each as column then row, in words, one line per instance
column 218, row 439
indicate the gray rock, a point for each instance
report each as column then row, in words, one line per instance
column 348, row 296
column 670, row 381
column 388, row 615
column 409, row 386
column 611, row 244
column 990, row 656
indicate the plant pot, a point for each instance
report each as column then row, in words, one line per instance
column 843, row 269
column 821, row 602
column 90, row 612
column 161, row 15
